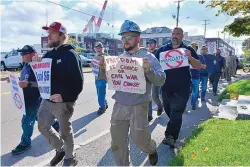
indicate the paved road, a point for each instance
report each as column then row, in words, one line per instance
column 91, row 132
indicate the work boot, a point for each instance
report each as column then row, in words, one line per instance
column 70, row 162
column 169, row 141
column 153, row 158
column 150, row 118
column 57, row 158
column 193, row 107
column 101, row 111
column 20, row 149
column 159, row 111
column 202, row 99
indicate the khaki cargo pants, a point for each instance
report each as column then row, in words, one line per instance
column 48, row 111
column 135, row 119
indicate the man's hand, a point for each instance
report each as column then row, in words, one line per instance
column 188, row 53
column 23, row 84
column 146, row 65
column 57, row 98
column 203, row 66
column 36, row 58
column 102, row 64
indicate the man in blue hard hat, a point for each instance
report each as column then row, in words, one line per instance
column 130, row 109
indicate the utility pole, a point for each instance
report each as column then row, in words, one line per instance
column 205, row 28
column 178, row 12
column 218, row 39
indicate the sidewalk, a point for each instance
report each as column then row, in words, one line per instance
column 98, row 152
column 4, row 74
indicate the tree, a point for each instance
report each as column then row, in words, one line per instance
column 238, row 8
column 246, row 47
column 73, row 42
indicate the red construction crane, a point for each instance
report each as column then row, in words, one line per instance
column 89, row 26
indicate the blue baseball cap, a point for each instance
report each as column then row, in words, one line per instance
column 152, row 41
column 27, row 49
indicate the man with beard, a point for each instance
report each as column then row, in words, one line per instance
column 156, row 89
column 175, row 91
column 66, row 85
column 130, row 109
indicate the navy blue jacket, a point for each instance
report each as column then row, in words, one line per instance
column 177, row 76
column 220, row 63
column 31, row 94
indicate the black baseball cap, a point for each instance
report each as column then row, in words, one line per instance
column 152, row 41
column 27, row 49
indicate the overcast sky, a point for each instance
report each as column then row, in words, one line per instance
column 21, row 21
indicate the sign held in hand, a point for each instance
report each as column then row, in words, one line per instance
column 125, row 74
column 42, row 71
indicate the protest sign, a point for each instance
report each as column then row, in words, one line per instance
column 172, row 59
column 125, row 74
column 42, row 71
column 95, row 68
column 17, row 94
column 211, row 47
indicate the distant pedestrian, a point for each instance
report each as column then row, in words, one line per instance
column 101, row 80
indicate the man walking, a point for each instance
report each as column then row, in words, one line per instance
column 219, row 66
column 175, row 91
column 131, row 109
column 156, row 89
column 66, row 85
column 101, row 80
column 32, row 100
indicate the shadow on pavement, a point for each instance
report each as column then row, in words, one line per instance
column 41, row 146
column 82, row 122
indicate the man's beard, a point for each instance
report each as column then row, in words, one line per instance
column 175, row 41
column 53, row 44
column 129, row 48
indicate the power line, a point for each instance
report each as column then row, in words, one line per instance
column 75, row 10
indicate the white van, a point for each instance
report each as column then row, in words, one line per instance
column 12, row 60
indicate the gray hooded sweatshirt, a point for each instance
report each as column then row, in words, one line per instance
column 155, row 76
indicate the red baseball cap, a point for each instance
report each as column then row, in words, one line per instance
column 56, row 26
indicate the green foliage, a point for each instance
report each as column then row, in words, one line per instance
column 239, row 8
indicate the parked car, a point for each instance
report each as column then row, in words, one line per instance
column 85, row 61
column 12, row 60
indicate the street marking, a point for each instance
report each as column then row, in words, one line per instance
column 78, row 146
column 94, row 138
column 89, row 81
column 5, row 93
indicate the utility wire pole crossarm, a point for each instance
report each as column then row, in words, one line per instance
column 205, row 28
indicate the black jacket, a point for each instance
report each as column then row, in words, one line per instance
column 66, row 72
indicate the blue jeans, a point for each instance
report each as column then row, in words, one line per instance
column 204, row 80
column 150, row 109
column 195, row 88
column 28, row 122
column 101, row 93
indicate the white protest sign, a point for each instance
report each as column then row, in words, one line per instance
column 95, row 68
column 173, row 59
column 42, row 71
column 17, row 94
column 125, row 74
column 211, row 46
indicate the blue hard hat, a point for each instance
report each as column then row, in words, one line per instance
column 129, row 26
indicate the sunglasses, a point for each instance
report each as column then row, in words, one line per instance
column 127, row 38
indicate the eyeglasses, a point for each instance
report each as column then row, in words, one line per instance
column 25, row 53
column 127, row 38
column 204, row 49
